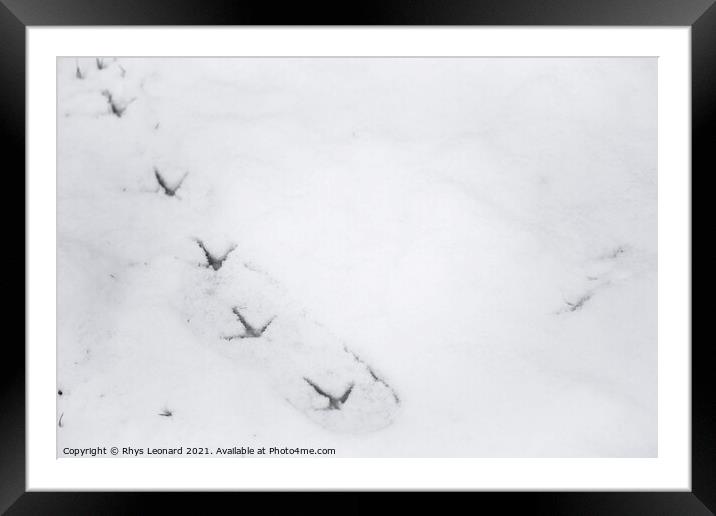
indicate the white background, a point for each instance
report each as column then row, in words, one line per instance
column 669, row 471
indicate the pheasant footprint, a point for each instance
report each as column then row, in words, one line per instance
column 246, row 315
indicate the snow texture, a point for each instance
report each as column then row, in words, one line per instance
column 392, row 257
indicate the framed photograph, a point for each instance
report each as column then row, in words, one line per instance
column 424, row 248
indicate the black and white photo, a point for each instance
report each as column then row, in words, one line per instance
column 357, row 257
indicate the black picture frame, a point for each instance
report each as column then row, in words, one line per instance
column 16, row 15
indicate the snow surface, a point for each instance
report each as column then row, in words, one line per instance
column 469, row 243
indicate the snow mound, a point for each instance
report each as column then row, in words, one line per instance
column 445, row 257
